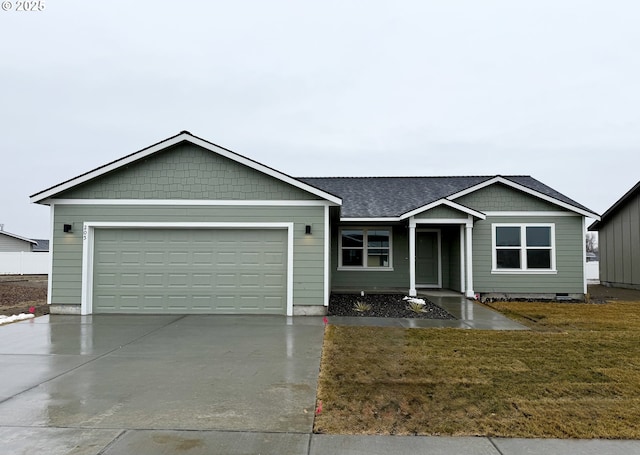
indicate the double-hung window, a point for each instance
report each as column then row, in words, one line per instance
column 365, row 248
column 524, row 247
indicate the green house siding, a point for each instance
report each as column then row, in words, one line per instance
column 186, row 171
column 569, row 259
column 308, row 255
column 498, row 197
column 399, row 276
column 374, row 279
column 442, row 212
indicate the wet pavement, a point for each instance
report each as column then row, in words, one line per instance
column 111, row 385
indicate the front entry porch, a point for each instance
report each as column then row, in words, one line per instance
column 440, row 255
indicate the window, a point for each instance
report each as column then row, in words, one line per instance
column 523, row 247
column 365, row 248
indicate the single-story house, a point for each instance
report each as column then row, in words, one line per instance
column 619, row 241
column 12, row 243
column 187, row 226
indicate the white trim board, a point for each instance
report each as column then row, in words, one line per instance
column 88, row 238
column 184, row 136
column 191, row 202
column 445, row 202
column 532, row 213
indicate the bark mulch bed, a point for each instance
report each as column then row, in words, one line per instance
column 382, row 306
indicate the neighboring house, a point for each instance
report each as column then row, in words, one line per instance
column 41, row 246
column 187, row 226
column 20, row 255
column 12, row 243
column 619, row 241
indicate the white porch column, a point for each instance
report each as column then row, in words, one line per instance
column 469, row 243
column 412, row 257
column 462, row 261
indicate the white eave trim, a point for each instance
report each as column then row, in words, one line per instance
column 371, row 220
column 527, row 190
column 548, row 213
column 448, row 203
column 39, row 197
column 191, row 202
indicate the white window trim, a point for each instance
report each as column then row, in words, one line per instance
column 523, row 250
column 362, row 268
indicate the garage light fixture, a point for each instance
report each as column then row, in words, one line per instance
column 67, row 228
column 307, row 229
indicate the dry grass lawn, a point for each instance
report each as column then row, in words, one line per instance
column 576, row 374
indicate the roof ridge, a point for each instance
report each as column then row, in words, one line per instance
column 416, row 176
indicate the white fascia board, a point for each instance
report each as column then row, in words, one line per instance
column 525, row 190
column 187, row 224
column 448, row 203
column 440, row 221
column 192, row 202
column 370, row 220
column 39, row 197
column 262, row 168
column 532, row 213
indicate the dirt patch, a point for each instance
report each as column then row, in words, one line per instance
column 18, row 293
column 603, row 294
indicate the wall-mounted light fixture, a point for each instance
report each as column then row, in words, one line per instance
column 67, row 228
column 307, row 229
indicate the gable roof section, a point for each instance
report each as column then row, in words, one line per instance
column 535, row 188
column 184, row 136
column 447, row 203
column 611, row 211
column 397, row 197
column 15, row 236
column 389, row 197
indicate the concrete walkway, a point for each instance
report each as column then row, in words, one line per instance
column 110, row 385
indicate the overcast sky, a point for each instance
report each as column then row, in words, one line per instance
column 324, row 88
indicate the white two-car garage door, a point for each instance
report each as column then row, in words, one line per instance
column 182, row 271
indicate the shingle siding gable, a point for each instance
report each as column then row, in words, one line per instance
column 499, row 197
column 187, row 171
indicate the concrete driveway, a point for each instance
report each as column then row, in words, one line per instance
column 196, row 385
column 107, row 384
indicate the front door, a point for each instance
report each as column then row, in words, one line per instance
column 428, row 272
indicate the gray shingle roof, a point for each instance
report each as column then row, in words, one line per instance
column 383, row 197
column 42, row 245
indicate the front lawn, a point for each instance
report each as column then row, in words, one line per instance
column 576, row 374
